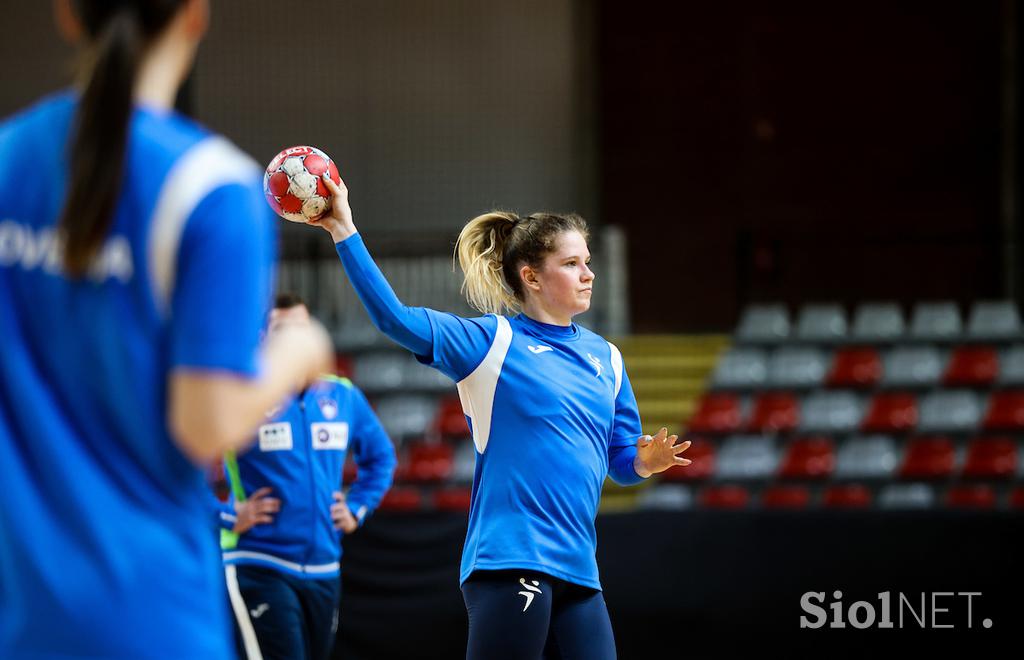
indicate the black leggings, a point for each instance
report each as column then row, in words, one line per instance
column 525, row 615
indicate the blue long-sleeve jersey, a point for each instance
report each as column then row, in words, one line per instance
column 552, row 414
column 299, row 453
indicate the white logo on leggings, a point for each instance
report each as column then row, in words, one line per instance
column 260, row 609
column 531, row 589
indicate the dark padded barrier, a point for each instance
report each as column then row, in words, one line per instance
column 717, row 584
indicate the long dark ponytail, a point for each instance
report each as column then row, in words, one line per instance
column 119, row 33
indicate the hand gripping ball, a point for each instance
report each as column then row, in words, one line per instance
column 293, row 185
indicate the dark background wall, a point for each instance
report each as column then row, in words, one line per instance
column 792, row 151
column 801, row 151
column 435, row 111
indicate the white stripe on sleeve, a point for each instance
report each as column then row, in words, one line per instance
column 210, row 164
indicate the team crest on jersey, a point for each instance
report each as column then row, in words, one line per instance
column 329, row 407
column 597, row 364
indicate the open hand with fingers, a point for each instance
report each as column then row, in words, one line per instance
column 659, row 453
column 257, row 509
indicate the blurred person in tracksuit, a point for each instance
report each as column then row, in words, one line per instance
column 282, row 528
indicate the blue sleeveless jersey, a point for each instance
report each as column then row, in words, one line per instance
column 105, row 543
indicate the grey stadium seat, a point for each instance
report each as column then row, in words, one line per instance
column 913, row 366
column 1011, row 366
column 797, row 366
column 666, row 497
column 741, row 367
column 831, row 412
column 381, row 371
column 422, row 377
column 406, row 415
column 936, row 321
column 950, row 411
column 464, row 461
column 359, row 334
column 994, row 320
column 878, row 322
column 747, row 457
column 821, row 323
column 766, row 324
column 906, row 496
column 867, row 457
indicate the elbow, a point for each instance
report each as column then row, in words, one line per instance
column 387, row 325
column 203, row 438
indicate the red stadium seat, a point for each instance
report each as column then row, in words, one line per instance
column 343, row 365
column 856, row 367
column 891, row 412
column 349, row 472
column 929, row 458
column 809, row 458
column 774, row 411
column 1005, row 412
column 724, row 497
column 978, row 497
column 218, row 481
column 429, row 462
column 718, row 412
column 451, row 420
column 785, row 497
column 402, row 498
column 1016, row 499
column 452, row 499
column 972, row 366
column 848, row 496
column 702, row 453
column 991, row 458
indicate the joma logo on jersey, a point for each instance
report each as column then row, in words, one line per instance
column 596, row 362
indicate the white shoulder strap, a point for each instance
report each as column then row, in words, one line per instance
column 616, row 367
column 476, row 391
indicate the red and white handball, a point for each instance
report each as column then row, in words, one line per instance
column 293, row 185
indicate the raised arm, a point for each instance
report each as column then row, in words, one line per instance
column 447, row 342
column 409, row 326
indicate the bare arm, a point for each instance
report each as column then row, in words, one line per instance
column 212, row 412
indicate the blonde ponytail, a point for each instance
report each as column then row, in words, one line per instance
column 480, row 250
column 492, row 247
